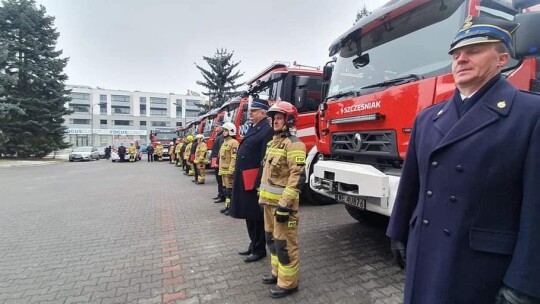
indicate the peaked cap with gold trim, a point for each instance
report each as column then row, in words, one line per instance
column 478, row 30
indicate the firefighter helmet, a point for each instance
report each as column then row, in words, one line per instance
column 190, row 138
column 159, row 143
column 229, row 126
column 171, row 143
column 290, row 112
column 199, row 136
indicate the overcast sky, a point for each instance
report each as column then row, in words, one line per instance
column 152, row 45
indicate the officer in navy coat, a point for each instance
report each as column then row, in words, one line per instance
column 245, row 204
column 468, row 204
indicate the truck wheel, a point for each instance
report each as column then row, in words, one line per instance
column 315, row 198
column 367, row 217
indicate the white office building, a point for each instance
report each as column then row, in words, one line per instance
column 104, row 117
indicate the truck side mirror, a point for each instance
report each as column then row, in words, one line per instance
column 300, row 94
column 327, row 72
column 526, row 38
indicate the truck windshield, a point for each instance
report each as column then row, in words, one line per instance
column 208, row 127
column 415, row 43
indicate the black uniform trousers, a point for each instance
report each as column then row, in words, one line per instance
column 256, row 235
column 150, row 157
column 219, row 181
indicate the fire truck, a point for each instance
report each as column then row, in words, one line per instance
column 388, row 67
column 164, row 135
column 300, row 85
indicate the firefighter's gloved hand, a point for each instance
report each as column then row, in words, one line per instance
column 507, row 295
column 282, row 214
column 399, row 251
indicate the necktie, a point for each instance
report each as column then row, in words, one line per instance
column 462, row 106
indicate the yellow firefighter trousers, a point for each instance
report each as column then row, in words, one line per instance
column 202, row 172
column 227, row 191
column 281, row 239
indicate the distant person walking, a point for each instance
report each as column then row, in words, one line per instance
column 122, row 152
column 150, row 153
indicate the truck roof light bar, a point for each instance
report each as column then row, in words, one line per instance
column 361, row 118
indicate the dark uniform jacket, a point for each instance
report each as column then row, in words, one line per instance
column 217, row 145
column 244, row 204
column 121, row 150
column 468, row 203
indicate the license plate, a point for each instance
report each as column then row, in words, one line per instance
column 355, row 201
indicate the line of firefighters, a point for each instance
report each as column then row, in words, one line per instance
column 278, row 187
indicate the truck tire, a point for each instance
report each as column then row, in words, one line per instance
column 368, row 217
column 313, row 198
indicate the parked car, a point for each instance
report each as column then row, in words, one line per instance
column 144, row 148
column 84, row 153
column 101, row 151
column 116, row 158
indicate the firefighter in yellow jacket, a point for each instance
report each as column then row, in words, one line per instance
column 132, row 150
column 177, row 153
column 187, row 151
column 227, row 162
column 200, row 158
column 159, row 151
column 170, row 151
column 282, row 178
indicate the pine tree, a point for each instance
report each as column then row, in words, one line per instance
column 32, row 85
column 220, row 79
column 361, row 13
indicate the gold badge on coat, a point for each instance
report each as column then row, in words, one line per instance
column 501, row 104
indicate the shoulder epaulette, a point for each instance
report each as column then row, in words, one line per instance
column 530, row 92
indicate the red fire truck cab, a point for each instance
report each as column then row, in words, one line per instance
column 389, row 66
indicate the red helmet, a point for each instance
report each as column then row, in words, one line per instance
column 290, row 112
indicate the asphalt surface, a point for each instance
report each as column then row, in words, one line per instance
column 102, row 232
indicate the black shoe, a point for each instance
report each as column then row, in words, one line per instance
column 193, row 181
column 252, row 258
column 216, row 197
column 278, row 292
column 269, row 279
column 219, row 201
column 224, row 210
column 247, row 252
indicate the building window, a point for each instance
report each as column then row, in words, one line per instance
column 121, row 110
column 192, row 102
column 83, row 96
column 192, row 113
column 103, row 108
column 121, row 98
column 103, row 97
column 103, row 122
column 79, row 109
column 178, row 123
column 158, row 112
column 156, row 100
column 142, row 100
column 122, row 122
column 160, row 123
column 76, row 121
column 143, row 122
column 142, row 108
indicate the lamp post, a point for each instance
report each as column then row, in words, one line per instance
column 92, row 121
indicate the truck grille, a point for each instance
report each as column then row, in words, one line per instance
column 373, row 147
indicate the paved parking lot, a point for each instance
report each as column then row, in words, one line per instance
column 99, row 232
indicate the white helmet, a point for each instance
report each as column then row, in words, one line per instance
column 199, row 136
column 230, row 127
